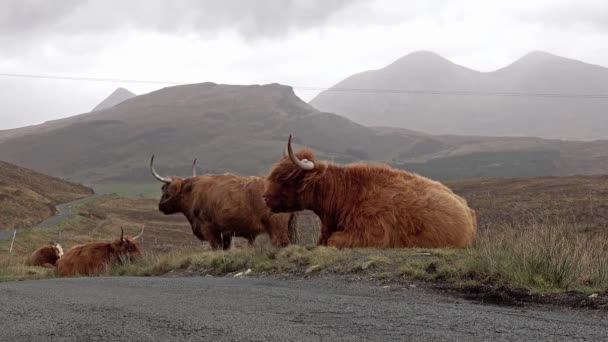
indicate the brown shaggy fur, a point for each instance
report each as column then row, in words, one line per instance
column 220, row 207
column 372, row 205
column 45, row 256
column 92, row 258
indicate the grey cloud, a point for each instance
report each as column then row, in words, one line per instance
column 252, row 19
column 590, row 14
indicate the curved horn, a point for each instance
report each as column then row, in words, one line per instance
column 122, row 233
column 143, row 226
column 194, row 168
column 305, row 164
column 155, row 174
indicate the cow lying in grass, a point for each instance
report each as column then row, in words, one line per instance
column 46, row 256
column 220, row 206
column 370, row 205
column 92, row 258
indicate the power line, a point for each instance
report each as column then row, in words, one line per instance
column 334, row 89
column 92, row 79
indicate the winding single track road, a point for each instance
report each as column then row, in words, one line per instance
column 258, row 309
column 64, row 212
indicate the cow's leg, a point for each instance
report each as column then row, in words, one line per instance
column 279, row 239
column 213, row 239
column 197, row 230
column 339, row 239
column 276, row 229
column 324, row 234
column 226, row 240
column 279, row 235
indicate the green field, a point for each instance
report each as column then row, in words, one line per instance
column 131, row 190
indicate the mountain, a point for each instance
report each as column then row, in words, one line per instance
column 426, row 92
column 119, row 95
column 243, row 129
column 28, row 197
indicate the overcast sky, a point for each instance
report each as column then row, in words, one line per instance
column 306, row 43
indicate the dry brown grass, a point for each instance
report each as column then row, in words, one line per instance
column 28, row 197
column 559, row 244
column 546, row 257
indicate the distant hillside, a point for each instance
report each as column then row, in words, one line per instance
column 28, row 197
column 119, row 95
column 578, row 118
column 579, row 202
column 243, row 129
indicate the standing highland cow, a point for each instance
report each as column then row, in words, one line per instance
column 219, row 207
column 46, row 256
column 370, row 205
column 91, row 258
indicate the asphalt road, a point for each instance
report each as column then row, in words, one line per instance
column 244, row 309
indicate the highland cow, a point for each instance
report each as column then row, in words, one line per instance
column 370, row 205
column 220, row 207
column 46, row 256
column 92, row 258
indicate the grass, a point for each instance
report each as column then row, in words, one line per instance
column 544, row 257
column 131, row 190
column 541, row 258
column 29, row 197
column 563, row 248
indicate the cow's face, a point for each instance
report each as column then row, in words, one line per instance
column 287, row 187
column 127, row 248
column 171, row 199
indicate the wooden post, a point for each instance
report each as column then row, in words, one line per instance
column 11, row 250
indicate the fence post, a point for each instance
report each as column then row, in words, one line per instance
column 11, row 250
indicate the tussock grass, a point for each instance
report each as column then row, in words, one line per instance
column 546, row 257
column 13, row 268
column 543, row 256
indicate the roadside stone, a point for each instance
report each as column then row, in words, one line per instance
column 594, row 295
column 238, row 274
column 367, row 264
column 412, row 286
column 248, row 271
column 386, row 287
column 313, row 268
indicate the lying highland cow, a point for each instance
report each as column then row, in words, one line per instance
column 92, row 258
column 219, row 207
column 370, row 205
column 46, row 256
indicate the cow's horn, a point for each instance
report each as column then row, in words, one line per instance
column 122, row 233
column 141, row 233
column 155, row 174
column 194, row 168
column 305, row 164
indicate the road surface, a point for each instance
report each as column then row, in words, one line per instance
column 249, row 309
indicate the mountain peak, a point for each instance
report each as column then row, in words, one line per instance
column 420, row 57
column 119, row 95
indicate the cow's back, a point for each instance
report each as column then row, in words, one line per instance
column 402, row 209
column 85, row 259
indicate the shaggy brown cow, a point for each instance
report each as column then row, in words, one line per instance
column 370, row 205
column 219, row 207
column 46, row 256
column 91, row 258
